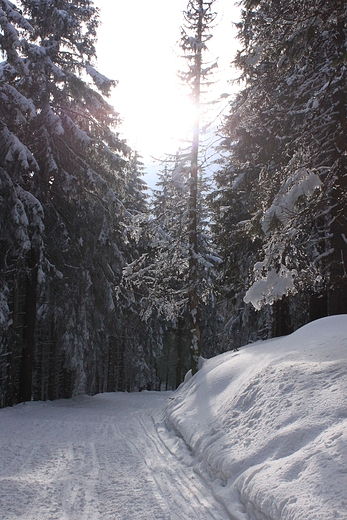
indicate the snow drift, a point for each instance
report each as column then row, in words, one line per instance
column 267, row 426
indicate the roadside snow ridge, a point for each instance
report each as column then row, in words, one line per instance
column 267, row 426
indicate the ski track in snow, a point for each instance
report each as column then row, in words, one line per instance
column 96, row 458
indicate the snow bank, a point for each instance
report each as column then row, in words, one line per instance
column 267, row 426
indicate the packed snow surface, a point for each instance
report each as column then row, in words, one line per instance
column 255, row 434
column 96, row 458
column 267, row 426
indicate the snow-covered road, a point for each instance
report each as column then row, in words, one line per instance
column 94, row 458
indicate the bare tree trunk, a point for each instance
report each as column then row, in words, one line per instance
column 337, row 294
column 53, row 365
column 179, row 351
column 282, row 323
column 193, row 237
column 111, row 380
column 15, row 338
column 26, row 369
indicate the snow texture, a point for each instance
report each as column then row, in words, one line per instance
column 267, row 426
column 102, row 82
column 303, row 183
column 95, row 458
column 255, row 434
column 17, row 151
column 271, row 287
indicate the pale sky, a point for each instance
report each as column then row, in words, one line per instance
column 137, row 45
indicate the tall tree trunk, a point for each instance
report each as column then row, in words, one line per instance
column 53, row 365
column 337, row 295
column 26, row 369
column 318, row 306
column 121, row 383
column 282, row 324
column 179, row 351
column 193, row 236
column 11, row 369
column 111, row 380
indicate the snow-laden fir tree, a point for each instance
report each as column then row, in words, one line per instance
column 158, row 280
column 284, row 182
column 174, row 274
column 63, row 183
column 195, row 33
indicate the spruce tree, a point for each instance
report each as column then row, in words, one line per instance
column 63, row 182
column 195, row 33
column 286, row 144
column 174, row 275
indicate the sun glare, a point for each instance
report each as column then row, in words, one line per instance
column 160, row 120
column 168, row 124
column 139, row 49
column 156, row 114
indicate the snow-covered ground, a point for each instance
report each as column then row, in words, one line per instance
column 95, row 458
column 256, row 434
column 268, row 425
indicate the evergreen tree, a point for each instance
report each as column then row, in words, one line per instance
column 195, row 33
column 63, row 182
column 174, row 274
column 158, row 280
column 283, row 182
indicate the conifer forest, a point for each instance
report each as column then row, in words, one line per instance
column 106, row 287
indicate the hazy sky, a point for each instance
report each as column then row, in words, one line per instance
column 137, row 45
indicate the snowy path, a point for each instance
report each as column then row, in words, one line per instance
column 95, row 458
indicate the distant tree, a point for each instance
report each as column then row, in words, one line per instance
column 160, row 273
column 175, row 271
column 158, row 280
column 136, row 198
column 195, row 33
